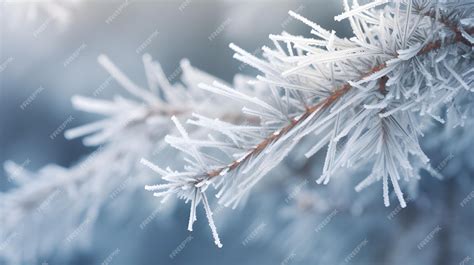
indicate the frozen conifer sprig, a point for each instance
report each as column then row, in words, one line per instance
column 132, row 128
column 155, row 106
column 150, row 107
column 364, row 98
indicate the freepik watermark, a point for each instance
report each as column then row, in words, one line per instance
column 288, row 19
column 466, row 260
column 397, row 209
column 4, row 64
column 146, row 42
column 150, row 218
column 428, row 238
column 31, row 98
column 121, row 187
column 254, row 234
column 356, row 251
column 296, row 190
column 219, row 29
column 45, row 205
column 8, row 240
column 118, row 11
column 74, row 234
column 289, row 258
column 42, row 27
column 110, row 257
column 74, row 55
column 15, row 175
column 326, row 220
column 61, row 127
column 184, row 4
column 102, row 86
column 467, row 199
column 180, row 247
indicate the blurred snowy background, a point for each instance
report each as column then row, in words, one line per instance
column 53, row 60
column 45, row 61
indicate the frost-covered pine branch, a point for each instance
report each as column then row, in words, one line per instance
column 133, row 127
column 364, row 98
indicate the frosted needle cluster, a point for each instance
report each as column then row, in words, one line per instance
column 363, row 99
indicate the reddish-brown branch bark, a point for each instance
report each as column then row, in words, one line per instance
column 382, row 84
column 452, row 25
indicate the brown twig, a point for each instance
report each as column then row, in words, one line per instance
column 382, row 84
column 452, row 25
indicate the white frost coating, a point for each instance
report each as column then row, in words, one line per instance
column 360, row 9
column 192, row 211
column 209, row 214
column 409, row 53
column 152, row 166
column 125, row 81
column 318, row 29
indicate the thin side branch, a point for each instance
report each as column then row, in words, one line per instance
column 453, row 26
